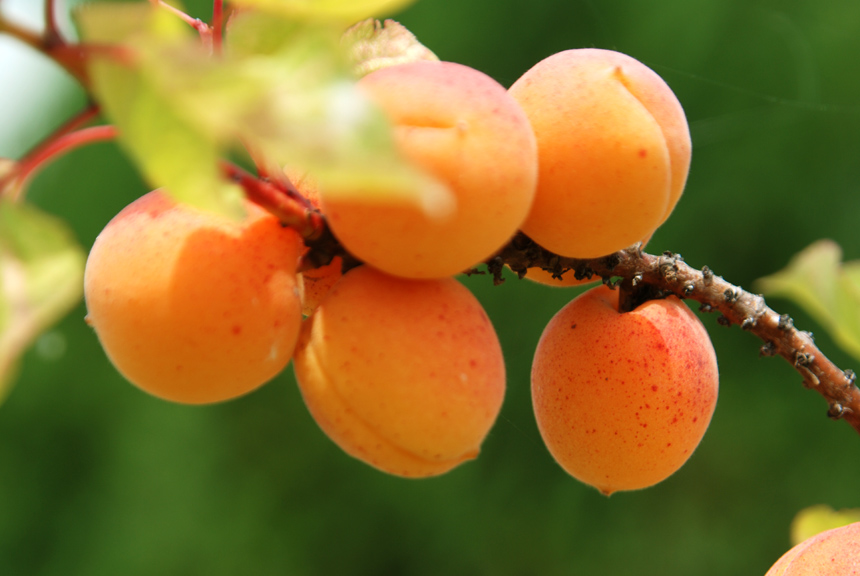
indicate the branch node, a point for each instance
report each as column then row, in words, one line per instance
column 767, row 349
column 802, row 359
column 837, row 411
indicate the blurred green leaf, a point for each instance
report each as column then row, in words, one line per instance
column 172, row 152
column 827, row 290
column 343, row 10
column 283, row 88
column 41, row 279
column 373, row 45
column 816, row 519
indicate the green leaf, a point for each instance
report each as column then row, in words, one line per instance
column 41, row 279
column 172, row 152
column 827, row 290
column 373, row 45
column 816, row 519
column 282, row 87
column 285, row 89
column 342, row 10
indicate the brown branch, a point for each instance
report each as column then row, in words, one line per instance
column 646, row 276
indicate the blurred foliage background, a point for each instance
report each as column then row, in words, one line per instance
column 97, row 478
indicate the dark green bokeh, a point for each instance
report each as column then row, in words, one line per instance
column 96, row 478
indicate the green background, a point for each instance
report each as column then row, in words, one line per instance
column 97, row 478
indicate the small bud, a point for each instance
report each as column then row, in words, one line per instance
column 767, row 349
column 748, row 323
column 836, row 411
column 723, row 321
column 637, row 278
column 731, row 296
column 707, row 275
column 689, row 289
column 851, row 377
column 785, row 322
column 706, row 308
column 803, row 359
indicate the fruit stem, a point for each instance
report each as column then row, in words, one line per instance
column 647, row 276
column 281, row 199
column 65, row 139
column 217, row 26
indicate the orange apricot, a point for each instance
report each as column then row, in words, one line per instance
column 623, row 399
column 613, row 151
column 405, row 375
column 461, row 127
column 834, row 552
column 192, row 307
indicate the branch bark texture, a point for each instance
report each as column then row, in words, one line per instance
column 641, row 276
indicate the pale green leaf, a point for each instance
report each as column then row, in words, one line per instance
column 41, row 279
column 342, row 10
column 826, row 289
column 816, row 519
column 286, row 90
column 172, row 152
column 372, row 45
column 283, row 88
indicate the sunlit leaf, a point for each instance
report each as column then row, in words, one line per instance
column 172, row 152
column 41, row 279
column 283, row 88
column 372, row 45
column 343, row 10
column 816, row 519
column 287, row 91
column 827, row 290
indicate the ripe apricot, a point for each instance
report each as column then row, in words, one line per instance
column 192, row 307
column 405, row 375
column 623, row 399
column 613, row 150
column 461, row 127
column 833, row 552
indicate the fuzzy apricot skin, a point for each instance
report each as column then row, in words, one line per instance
column 623, row 399
column 833, row 552
column 192, row 307
column 613, row 149
column 405, row 375
column 461, row 127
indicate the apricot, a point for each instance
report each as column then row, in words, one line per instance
column 192, row 307
column 462, row 128
column 623, row 399
column 613, row 151
column 833, row 552
column 405, row 375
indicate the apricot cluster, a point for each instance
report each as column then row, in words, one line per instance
column 397, row 362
